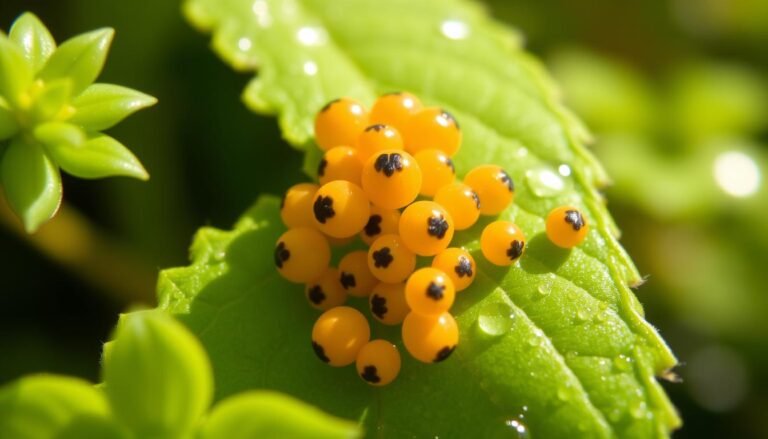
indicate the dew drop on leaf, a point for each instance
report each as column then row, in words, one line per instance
column 517, row 429
column 495, row 319
column 623, row 363
column 544, row 182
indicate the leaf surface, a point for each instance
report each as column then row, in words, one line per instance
column 556, row 344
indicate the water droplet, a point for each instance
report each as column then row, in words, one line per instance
column 454, row 29
column 310, row 68
column 495, row 318
column 260, row 9
column 623, row 363
column 638, row 409
column 544, row 182
column 583, row 314
column 311, row 36
column 545, row 286
column 736, row 173
column 536, row 338
column 564, row 170
column 244, row 44
column 563, row 393
column 219, row 256
column 517, row 428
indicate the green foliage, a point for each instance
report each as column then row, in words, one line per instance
column 557, row 344
column 41, row 406
column 264, row 415
column 144, row 395
column 157, row 384
column 51, row 115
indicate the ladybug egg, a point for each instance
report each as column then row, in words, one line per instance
column 296, row 206
column 326, row 292
column 378, row 362
column 339, row 122
column 390, row 260
column 458, row 265
column 432, row 128
column 566, row 226
column 430, row 339
column 426, row 228
column 388, row 304
column 354, row 275
column 502, row 243
column 429, row 291
column 437, row 170
column 394, row 109
column 339, row 334
column 391, row 179
column 494, row 187
column 302, row 255
column 340, row 209
column 340, row 163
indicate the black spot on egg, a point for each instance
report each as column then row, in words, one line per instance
column 321, row 167
column 450, row 118
column 464, row 268
column 476, row 198
column 382, row 257
column 435, row 291
column 347, row 280
column 379, row 306
column 449, row 163
column 320, row 352
column 389, row 163
column 377, row 127
column 370, row 374
column 316, row 294
column 506, row 179
column 323, row 209
column 444, row 353
column 373, row 227
column 515, row 249
column 574, row 218
column 437, row 226
column 282, row 254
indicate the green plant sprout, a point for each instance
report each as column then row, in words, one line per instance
column 157, row 384
column 52, row 115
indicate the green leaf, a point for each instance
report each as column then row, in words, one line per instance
column 15, row 72
column 102, row 106
column 8, row 124
column 557, row 343
column 80, row 59
column 32, row 183
column 94, row 427
column 98, row 157
column 156, row 375
column 41, row 406
column 59, row 134
column 269, row 415
column 36, row 42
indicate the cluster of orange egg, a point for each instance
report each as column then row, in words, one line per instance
column 375, row 166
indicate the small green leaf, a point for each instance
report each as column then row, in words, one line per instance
column 157, row 376
column 15, row 72
column 94, row 427
column 8, row 124
column 99, row 157
column 53, row 134
column 270, row 415
column 31, row 182
column 41, row 406
column 80, row 58
column 101, row 106
column 52, row 99
column 29, row 33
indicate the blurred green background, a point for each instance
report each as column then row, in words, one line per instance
column 675, row 92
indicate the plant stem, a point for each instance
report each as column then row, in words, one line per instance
column 72, row 241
